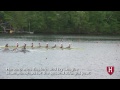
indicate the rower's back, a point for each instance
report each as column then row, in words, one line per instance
column 6, row 47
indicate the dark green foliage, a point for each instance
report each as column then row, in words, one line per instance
column 82, row 22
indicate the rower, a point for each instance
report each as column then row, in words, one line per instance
column 46, row 45
column 16, row 48
column 39, row 45
column 24, row 47
column 61, row 45
column 54, row 46
column 68, row 46
column 32, row 46
column 6, row 47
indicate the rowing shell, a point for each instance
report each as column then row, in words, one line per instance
column 37, row 47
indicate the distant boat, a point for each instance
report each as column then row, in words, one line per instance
column 31, row 32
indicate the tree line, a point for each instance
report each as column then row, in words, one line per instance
column 68, row 22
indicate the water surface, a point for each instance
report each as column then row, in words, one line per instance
column 88, row 58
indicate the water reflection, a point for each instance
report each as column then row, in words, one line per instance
column 60, row 37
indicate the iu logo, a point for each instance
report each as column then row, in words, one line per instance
column 110, row 69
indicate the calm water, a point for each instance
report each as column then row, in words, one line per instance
column 88, row 58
